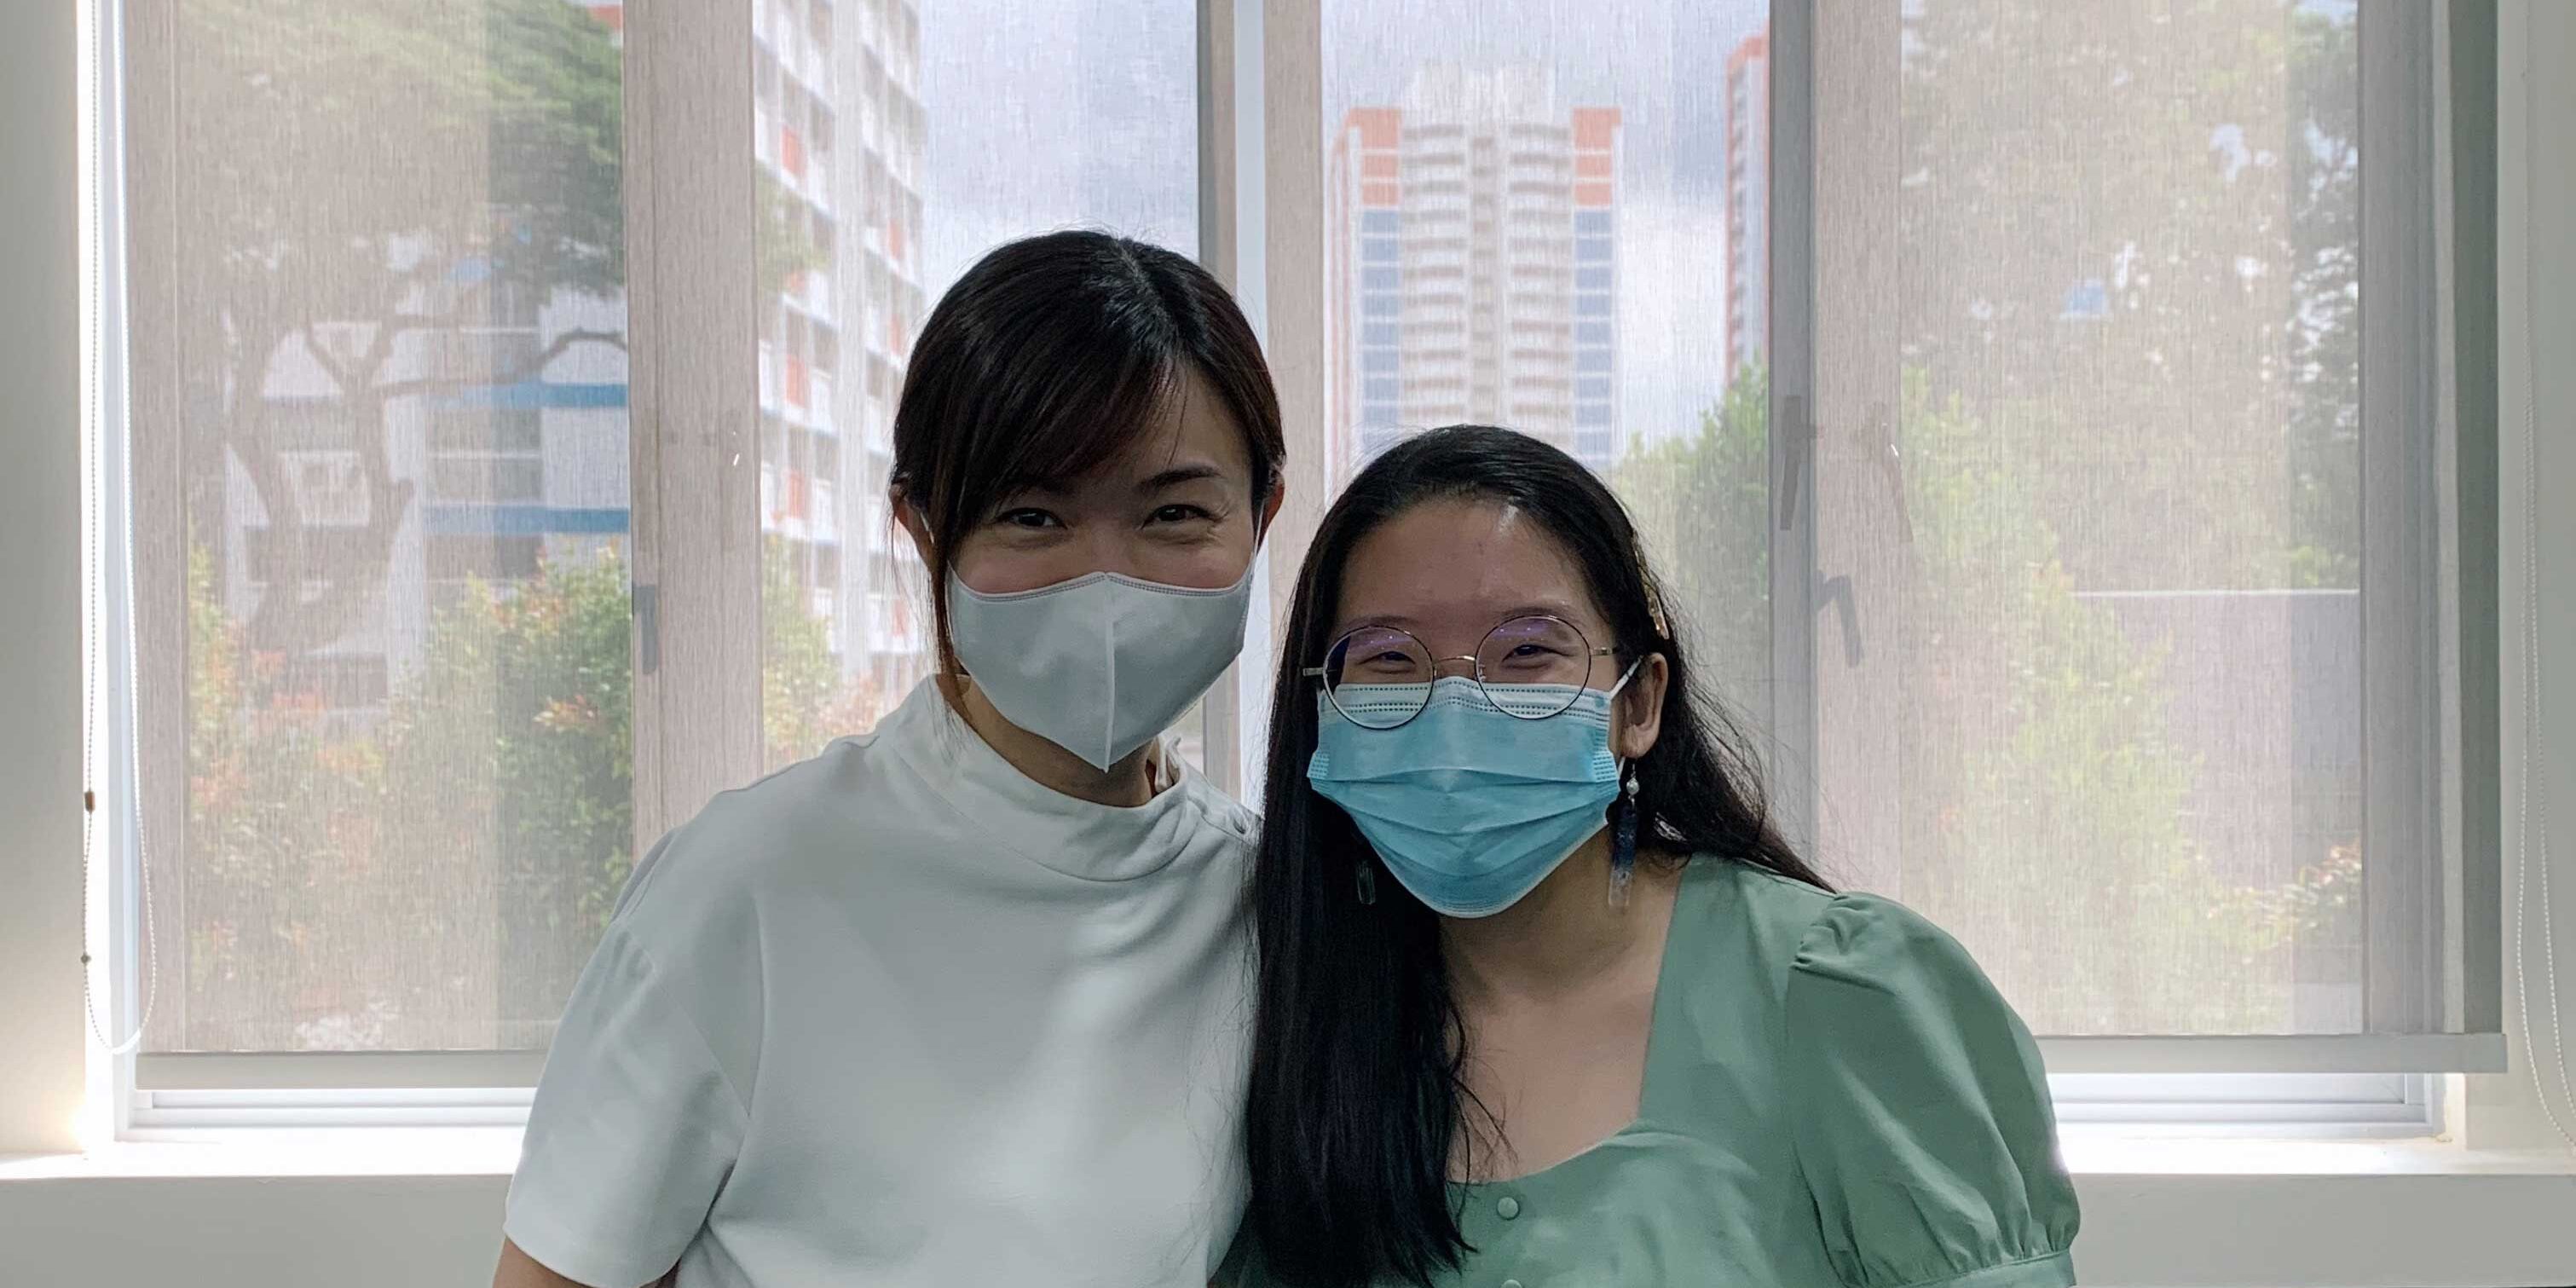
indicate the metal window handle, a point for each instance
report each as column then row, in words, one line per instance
column 1799, row 437
column 1891, row 466
column 1837, row 592
column 648, row 628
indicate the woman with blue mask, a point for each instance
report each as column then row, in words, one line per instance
column 1543, row 997
column 961, row 1000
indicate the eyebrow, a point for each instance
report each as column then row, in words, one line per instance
column 1404, row 623
column 1179, row 475
column 1059, row 489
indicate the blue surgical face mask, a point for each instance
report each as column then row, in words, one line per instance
column 1470, row 806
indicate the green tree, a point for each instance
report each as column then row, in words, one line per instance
column 800, row 679
column 396, row 185
column 1702, row 505
column 289, row 877
column 783, row 247
column 391, row 177
column 2041, row 787
column 2041, row 790
column 2133, row 223
column 521, row 715
column 2324, row 161
column 501, row 775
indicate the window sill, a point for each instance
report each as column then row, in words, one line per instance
column 2105, row 1154
column 2352, row 1214
column 494, row 1151
column 277, row 1152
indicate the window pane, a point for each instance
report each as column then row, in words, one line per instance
column 893, row 149
column 403, row 449
column 2130, row 750
column 2114, row 552
column 1549, row 216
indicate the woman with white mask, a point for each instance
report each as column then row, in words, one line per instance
column 963, row 1000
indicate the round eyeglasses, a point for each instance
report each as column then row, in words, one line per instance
column 1531, row 667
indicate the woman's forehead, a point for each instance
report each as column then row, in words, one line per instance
column 1190, row 435
column 1461, row 564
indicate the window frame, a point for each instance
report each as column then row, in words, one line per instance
column 1259, row 68
column 2447, row 967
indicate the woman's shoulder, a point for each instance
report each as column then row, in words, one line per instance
column 1229, row 818
column 1762, row 905
column 1800, row 927
column 746, row 840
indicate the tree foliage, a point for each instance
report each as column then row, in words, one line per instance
column 1702, row 504
column 366, row 183
column 437, row 875
column 2136, row 224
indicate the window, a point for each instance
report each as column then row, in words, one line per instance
column 2080, row 599
column 418, row 617
column 2065, row 632
column 2127, row 692
column 827, row 670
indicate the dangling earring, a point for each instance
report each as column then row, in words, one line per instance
column 1368, row 881
column 1623, row 847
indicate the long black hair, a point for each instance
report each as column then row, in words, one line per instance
column 1048, row 358
column 1356, row 1090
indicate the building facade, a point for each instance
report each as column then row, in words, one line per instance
column 511, row 463
column 838, row 134
column 1748, row 203
column 1472, row 267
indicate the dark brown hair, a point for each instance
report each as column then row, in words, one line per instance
column 1050, row 357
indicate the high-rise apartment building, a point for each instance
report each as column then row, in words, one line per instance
column 838, row 136
column 1748, row 202
column 1472, row 266
column 510, row 467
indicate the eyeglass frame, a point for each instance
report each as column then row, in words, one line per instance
column 1319, row 673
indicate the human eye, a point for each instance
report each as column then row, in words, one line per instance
column 1027, row 518
column 1180, row 512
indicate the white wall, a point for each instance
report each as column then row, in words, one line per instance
column 40, row 1070
column 2537, row 158
column 273, row 1232
column 397, row 1231
column 426, row 1231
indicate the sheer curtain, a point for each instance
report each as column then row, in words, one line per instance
column 2032, row 406
column 1988, row 377
column 514, row 390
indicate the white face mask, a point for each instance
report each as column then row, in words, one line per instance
column 1100, row 664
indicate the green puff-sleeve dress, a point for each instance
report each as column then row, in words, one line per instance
column 1834, row 1095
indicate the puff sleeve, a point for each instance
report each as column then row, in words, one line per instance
column 1921, row 1110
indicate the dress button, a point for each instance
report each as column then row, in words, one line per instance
column 1511, row 1283
column 1508, row 1208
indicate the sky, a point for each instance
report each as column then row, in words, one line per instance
column 1049, row 113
